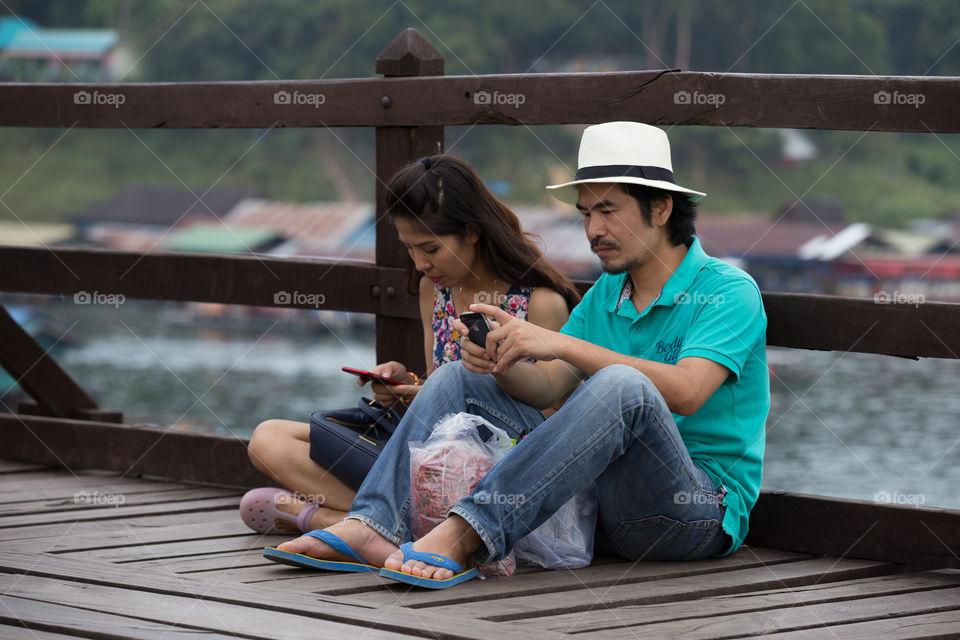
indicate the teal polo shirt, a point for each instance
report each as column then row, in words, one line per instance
column 707, row 309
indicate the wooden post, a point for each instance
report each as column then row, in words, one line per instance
column 409, row 54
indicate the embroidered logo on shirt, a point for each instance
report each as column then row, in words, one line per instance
column 670, row 350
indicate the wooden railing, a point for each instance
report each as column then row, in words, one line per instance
column 409, row 107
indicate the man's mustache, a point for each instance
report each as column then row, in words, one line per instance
column 603, row 244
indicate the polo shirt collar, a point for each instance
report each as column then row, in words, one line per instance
column 682, row 279
column 678, row 284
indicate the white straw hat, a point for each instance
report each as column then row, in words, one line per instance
column 617, row 152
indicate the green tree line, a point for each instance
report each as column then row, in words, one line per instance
column 883, row 178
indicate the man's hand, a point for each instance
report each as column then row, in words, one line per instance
column 514, row 340
column 474, row 357
column 510, row 341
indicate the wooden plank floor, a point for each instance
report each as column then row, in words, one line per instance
column 94, row 555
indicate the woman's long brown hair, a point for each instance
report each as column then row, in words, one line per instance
column 443, row 195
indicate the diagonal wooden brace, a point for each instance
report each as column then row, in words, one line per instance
column 54, row 391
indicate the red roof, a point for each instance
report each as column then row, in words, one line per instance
column 724, row 236
column 932, row 267
column 319, row 228
column 564, row 240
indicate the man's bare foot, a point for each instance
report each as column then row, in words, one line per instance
column 453, row 538
column 369, row 544
column 322, row 518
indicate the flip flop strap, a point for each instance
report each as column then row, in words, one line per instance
column 335, row 543
column 429, row 558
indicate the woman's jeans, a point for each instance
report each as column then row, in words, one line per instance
column 615, row 431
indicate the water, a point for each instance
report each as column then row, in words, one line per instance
column 158, row 373
column 847, row 425
column 864, row 426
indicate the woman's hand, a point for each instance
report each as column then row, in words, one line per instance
column 389, row 395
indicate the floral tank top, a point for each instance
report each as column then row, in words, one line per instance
column 446, row 339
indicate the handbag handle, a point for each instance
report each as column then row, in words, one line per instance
column 386, row 418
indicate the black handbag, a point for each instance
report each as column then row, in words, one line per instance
column 346, row 442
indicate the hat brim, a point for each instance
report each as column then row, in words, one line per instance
column 567, row 192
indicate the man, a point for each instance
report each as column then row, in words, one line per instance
column 665, row 359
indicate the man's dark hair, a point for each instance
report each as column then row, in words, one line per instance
column 680, row 225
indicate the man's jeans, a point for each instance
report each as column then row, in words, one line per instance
column 615, row 430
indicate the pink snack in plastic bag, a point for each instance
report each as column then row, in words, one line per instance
column 446, row 468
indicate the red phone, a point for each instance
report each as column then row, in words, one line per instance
column 369, row 375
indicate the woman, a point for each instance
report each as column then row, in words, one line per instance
column 465, row 247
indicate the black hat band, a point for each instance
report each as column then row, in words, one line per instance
column 625, row 171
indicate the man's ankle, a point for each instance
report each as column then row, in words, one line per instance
column 467, row 537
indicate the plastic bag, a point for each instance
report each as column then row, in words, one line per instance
column 565, row 540
column 447, row 467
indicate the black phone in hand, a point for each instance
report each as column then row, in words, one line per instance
column 478, row 327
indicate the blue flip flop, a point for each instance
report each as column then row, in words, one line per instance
column 330, row 539
column 459, row 575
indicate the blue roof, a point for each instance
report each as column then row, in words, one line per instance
column 62, row 41
column 11, row 25
column 364, row 236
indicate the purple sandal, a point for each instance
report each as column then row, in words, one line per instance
column 259, row 511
